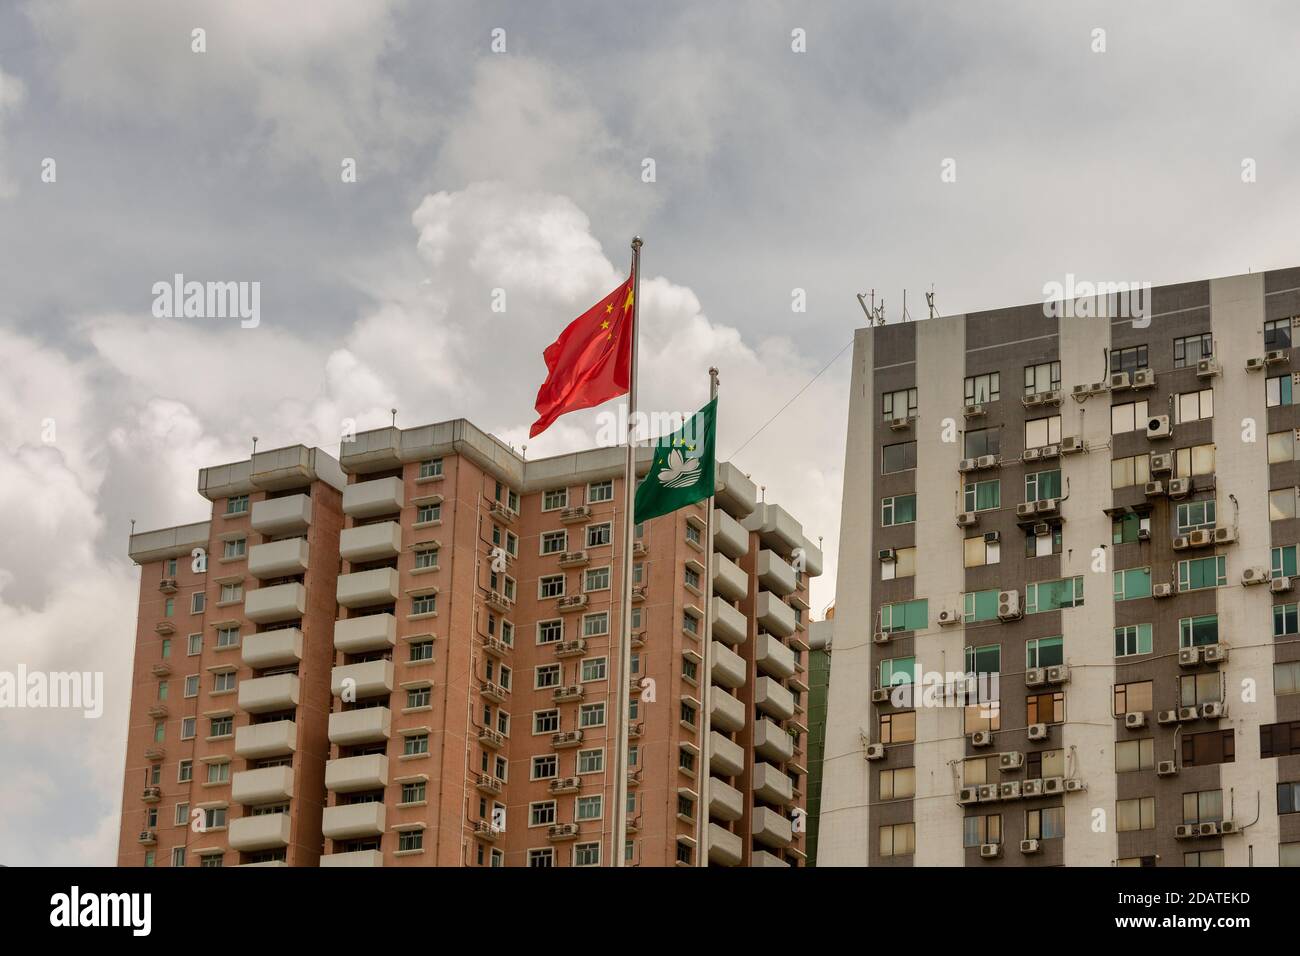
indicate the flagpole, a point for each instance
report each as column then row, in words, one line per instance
column 619, row 837
column 706, row 702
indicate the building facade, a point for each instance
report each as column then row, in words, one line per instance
column 408, row 657
column 1066, row 626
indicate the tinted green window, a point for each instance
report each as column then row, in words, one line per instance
column 912, row 616
column 980, row 606
column 1133, row 583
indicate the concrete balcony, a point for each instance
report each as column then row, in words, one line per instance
column 775, row 574
column 726, row 758
column 374, row 498
column 773, row 657
column 729, row 580
column 260, row 695
column 278, row 559
column 265, row 832
column 366, row 588
column 272, row 648
column 728, row 667
column 280, row 602
column 773, row 699
column 725, row 801
column 734, row 492
column 265, row 785
column 771, row 828
column 355, row 858
column 771, row 785
column 724, row 846
column 352, row 820
column 765, row 859
column 728, row 713
column 367, row 725
column 729, row 625
column 729, row 535
column 368, row 679
column 370, row 632
column 349, row 774
column 812, row 559
column 279, row 516
column 771, row 742
column 776, row 528
column 773, row 614
column 259, row 741
column 371, row 542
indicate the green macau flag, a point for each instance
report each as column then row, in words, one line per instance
column 683, row 468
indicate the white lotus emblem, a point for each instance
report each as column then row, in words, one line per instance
column 681, row 472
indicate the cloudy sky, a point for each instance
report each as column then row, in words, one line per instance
column 1112, row 156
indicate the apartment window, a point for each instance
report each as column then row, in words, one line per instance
column 1132, row 697
column 545, row 767
column 546, row 675
column 978, row 552
column 1288, row 798
column 430, row 469
column 1043, row 545
column 1045, row 824
column 1281, row 446
column 419, row 697
column 1199, row 573
column 1044, row 763
column 586, row 854
column 979, row 606
column 1196, row 460
column 237, row 505
column 896, row 510
column 899, row 404
column 1043, row 484
column 235, row 548
column 1279, row 740
column 426, row 558
column 1203, row 806
column 908, row 616
column 686, row 761
column 690, row 623
column 898, row 670
column 900, row 456
column 593, row 668
column 1128, row 360
column 194, row 645
column 1045, row 708
column 898, row 839
column 1285, row 623
column 541, row 858
column 1132, row 583
column 1044, row 377
column 1132, row 639
column 223, row 681
column 546, row 721
column 981, row 389
column 592, row 715
column 598, row 535
column 415, row 745
column 982, row 716
column 1126, row 472
column 600, row 491
column 1127, row 529
column 1130, row 416
column 596, row 579
column 182, row 815
column 694, row 535
column 410, row 840
column 428, row 512
column 197, row 602
column 424, row 604
column 552, row 585
column 1282, row 504
column 589, row 808
column 1284, row 561
column 591, row 761
column 159, row 732
column 192, row 685
column 983, row 441
column 984, row 660
column 231, row 593
column 178, row 856
column 1197, row 689
column 898, row 784
column 1194, row 406
column 1211, row 747
column 171, row 568
column 689, row 671
column 1134, row 755
column 898, row 727
column 1195, row 515
column 185, row 771
column 189, row 728
column 595, row 625
column 903, row 565
column 1054, row 595
column 1286, row 678
column 218, row 773
column 1277, row 334
column 1204, row 858
column 555, row 542
column 982, row 495
column 421, row 651
column 1198, row 631
column 413, row 792
column 541, row 814
column 1136, row 814
column 1043, row 431
column 977, row 831
column 1190, row 349
column 550, row 632
column 1045, row 652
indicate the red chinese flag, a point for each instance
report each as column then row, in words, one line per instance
column 591, row 361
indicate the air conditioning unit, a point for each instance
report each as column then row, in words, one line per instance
column 1025, row 509
column 1167, row 717
column 1215, row 653
column 1031, row 401
column 1135, row 720
column 949, row 617
column 1051, row 451
column 1207, row 368
column 1207, row 829
column 887, row 554
column 1254, row 364
column 875, row 752
column 1185, row 831
column 1059, row 674
column 965, row 465
column 1047, row 506
column 1053, row 785
column 1071, row 445
column 1031, row 454
column 1009, row 606
column 1229, row 826
column 1081, row 390
column 1158, row 427
column 1180, row 487
column 881, row 637
column 1144, row 534
column 1009, row 790
column 1029, row 846
column 1038, row 731
column 986, row 461
column 1225, row 535
column 1011, row 760
column 900, row 424
column 1162, row 590
column 1073, row 785
column 968, row 795
column 992, row 537
column 1154, row 488
column 981, row 738
column 972, row 411
column 1119, row 381
column 880, row 695
column 1280, row 585
column 1162, row 464
column 1181, row 543
column 988, row 793
column 1189, row 657
column 1214, row 710
column 967, row 518
column 1035, row 677
column 1188, row 713
column 1144, row 378
column 1031, row 788
column 1166, row 768
column 1042, row 529
column 1254, row 576
column 1275, row 356
column 989, row 851
column 1200, row 538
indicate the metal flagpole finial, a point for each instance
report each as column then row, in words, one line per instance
column 636, row 242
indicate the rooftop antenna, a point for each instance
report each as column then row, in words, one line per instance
column 524, row 456
column 394, row 411
column 929, row 301
column 254, row 444
column 906, row 317
column 875, row 313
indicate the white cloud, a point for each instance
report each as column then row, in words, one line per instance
column 12, row 93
